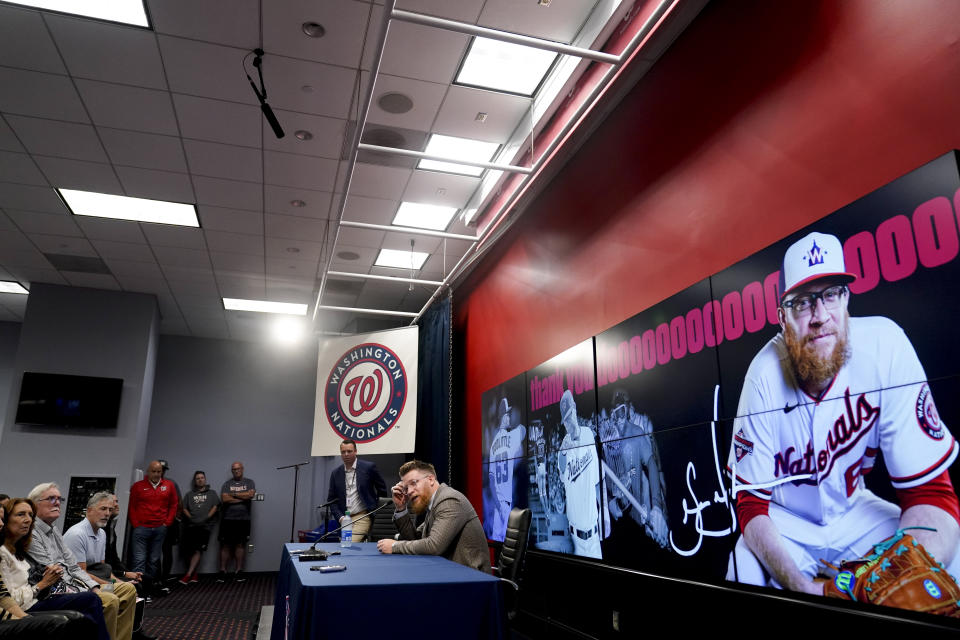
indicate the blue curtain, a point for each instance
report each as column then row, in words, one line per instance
column 433, row 397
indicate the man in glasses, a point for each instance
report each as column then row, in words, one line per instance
column 451, row 527
column 819, row 402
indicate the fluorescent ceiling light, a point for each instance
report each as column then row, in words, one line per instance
column 503, row 66
column 424, row 216
column 12, row 287
column 103, row 205
column 264, row 306
column 460, row 149
column 401, row 259
column 125, row 11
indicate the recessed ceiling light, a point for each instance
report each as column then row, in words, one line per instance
column 104, row 205
column 264, row 306
column 504, row 66
column 348, row 255
column 125, row 11
column 313, row 29
column 303, row 135
column 395, row 102
column 401, row 259
column 299, row 204
column 424, row 216
column 461, row 149
column 7, row 286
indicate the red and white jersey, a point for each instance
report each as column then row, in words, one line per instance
column 580, row 473
column 807, row 455
column 505, row 450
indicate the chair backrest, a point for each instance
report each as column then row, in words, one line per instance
column 382, row 525
column 514, row 543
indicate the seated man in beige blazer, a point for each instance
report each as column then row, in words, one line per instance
column 451, row 527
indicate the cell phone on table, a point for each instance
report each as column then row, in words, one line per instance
column 329, row 568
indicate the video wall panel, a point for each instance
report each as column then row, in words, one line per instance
column 812, row 386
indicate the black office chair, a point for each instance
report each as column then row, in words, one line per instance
column 382, row 525
column 510, row 560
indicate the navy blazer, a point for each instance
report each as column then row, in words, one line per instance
column 370, row 486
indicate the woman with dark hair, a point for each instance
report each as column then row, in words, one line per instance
column 15, row 571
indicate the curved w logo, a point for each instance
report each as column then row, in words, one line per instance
column 364, row 393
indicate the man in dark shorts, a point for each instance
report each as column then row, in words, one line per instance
column 200, row 505
column 236, row 494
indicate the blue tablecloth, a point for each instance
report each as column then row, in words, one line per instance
column 382, row 595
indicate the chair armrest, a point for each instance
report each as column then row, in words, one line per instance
column 513, row 584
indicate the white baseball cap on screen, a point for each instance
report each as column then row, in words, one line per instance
column 815, row 256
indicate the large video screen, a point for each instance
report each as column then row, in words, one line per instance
column 784, row 424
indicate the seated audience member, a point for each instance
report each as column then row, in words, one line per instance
column 199, row 508
column 16, row 570
column 87, row 541
column 48, row 548
column 112, row 557
column 451, row 527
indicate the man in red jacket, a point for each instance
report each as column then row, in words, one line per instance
column 153, row 507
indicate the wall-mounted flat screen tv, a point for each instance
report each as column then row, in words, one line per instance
column 57, row 400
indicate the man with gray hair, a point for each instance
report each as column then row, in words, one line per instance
column 87, row 541
column 47, row 547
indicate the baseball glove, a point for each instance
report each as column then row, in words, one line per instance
column 899, row 573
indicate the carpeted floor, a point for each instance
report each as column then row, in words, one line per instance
column 209, row 610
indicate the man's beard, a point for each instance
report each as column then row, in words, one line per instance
column 810, row 368
column 419, row 504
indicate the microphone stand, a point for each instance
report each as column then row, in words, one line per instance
column 296, row 481
column 352, row 522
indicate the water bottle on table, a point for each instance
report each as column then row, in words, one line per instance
column 346, row 533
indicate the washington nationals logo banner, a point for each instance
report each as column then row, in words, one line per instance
column 367, row 392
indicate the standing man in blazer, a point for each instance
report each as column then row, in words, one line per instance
column 355, row 486
column 451, row 527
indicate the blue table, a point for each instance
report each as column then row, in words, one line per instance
column 383, row 595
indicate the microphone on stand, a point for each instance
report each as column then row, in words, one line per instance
column 326, row 504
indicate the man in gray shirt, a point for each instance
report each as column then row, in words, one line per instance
column 199, row 508
column 236, row 494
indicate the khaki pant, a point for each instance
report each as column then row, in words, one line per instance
column 119, row 608
column 362, row 528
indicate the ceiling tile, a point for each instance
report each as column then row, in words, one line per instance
column 426, row 98
column 218, row 120
column 142, row 285
column 115, row 230
column 306, row 172
column 128, row 269
column 49, row 223
column 165, row 235
column 345, row 22
column 560, row 21
column 19, row 168
column 29, row 275
column 41, row 95
column 360, row 237
column 370, row 210
column 190, row 283
column 220, row 219
column 425, row 187
column 8, row 141
column 156, row 185
column 123, row 107
column 284, row 290
column 233, row 263
column 222, row 241
column 108, row 249
column 25, row 41
column 379, row 182
column 59, row 139
column 327, row 134
column 229, row 22
column 182, row 258
column 280, row 248
column 305, row 269
column 92, row 280
column 423, row 53
column 296, row 228
column 64, row 173
column 63, row 245
column 143, row 150
column 401, row 242
column 458, row 115
column 333, row 86
column 228, row 193
column 203, row 69
column 316, row 203
column 103, row 51
column 224, row 161
column 244, row 287
column 361, row 265
column 459, row 11
column 12, row 241
column 30, row 198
